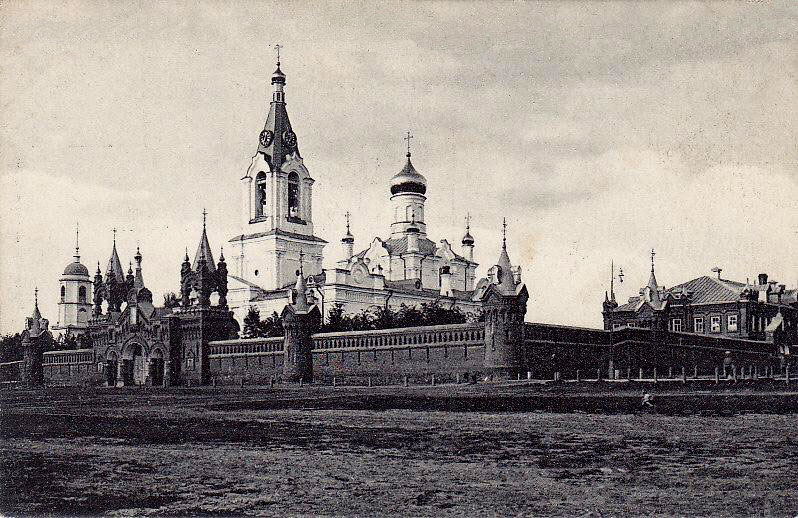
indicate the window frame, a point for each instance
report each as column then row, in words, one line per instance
column 732, row 327
column 713, row 319
column 696, row 321
column 674, row 322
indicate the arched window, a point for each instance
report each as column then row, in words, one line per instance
column 82, row 316
column 293, row 195
column 260, row 194
column 81, row 294
column 63, row 292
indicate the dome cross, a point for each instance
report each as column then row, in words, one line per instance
column 407, row 138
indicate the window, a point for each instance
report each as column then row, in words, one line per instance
column 190, row 364
column 100, row 367
column 82, row 294
column 293, row 195
column 82, row 316
column 63, row 292
column 617, row 325
column 714, row 324
column 698, row 325
column 260, row 194
column 676, row 325
column 731, row 323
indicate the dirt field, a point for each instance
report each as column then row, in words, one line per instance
column 141, row 453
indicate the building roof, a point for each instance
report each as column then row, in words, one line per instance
column 76, row 268
column 398, row 246
column 204, row 252
column 277, row 141
column 114, row 268
column 277, row 232
column 409, row 287
column 703, row 290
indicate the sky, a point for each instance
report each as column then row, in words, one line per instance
column 600, row 130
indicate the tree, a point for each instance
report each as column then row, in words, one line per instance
column 11, row 348
column 337, row 320
column 252, row 324
column 363, row 321
column 409, row 316
column 272, row 326
column 170, row 300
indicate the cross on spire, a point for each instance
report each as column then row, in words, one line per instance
column 277, row 47
column 347, row 215
column 114, row 231
column 653, row 253
column 77, row 241
column 204, row 216
column 36, row 296
column 407, row 138
column 504, row 232
column 468, row 221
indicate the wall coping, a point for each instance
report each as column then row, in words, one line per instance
column 398, row 330
column 245, row 341
column 68, row 351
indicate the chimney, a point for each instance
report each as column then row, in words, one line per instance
column 763, row 279
column 446, row 282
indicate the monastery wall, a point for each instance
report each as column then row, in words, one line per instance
column 71, row 368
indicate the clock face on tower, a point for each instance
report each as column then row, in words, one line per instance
column 266, row 138
column 289, row 137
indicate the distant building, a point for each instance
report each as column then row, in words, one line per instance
column 709, row 305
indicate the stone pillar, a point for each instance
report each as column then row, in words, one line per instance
column 298, row 344
column 504, row 332
column 32, row 361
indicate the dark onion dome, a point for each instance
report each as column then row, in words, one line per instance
column 76, row 269
column 412, row 228
column 348, row 238
column 468, row 239
column 278, row 76
column 408, row 180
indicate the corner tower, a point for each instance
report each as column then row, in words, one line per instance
column 277, row 197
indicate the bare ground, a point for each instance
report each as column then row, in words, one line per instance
column 187, row 453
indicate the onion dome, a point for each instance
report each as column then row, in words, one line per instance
column 278, row 76
column 408, row 180
column 468, row 239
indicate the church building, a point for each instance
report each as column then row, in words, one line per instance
column 406, row 267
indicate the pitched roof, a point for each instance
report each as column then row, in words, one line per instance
column 204, row 252
column 409, row 287
column 398, row 246
column 706, row 289
column 114, row 268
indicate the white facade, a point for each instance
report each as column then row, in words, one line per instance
column 277, row 220
column 75, row 300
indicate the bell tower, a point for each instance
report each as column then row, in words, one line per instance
column 74, row 304
column 277, row 210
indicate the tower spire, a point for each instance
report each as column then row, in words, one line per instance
column 204, row 247
column 504, row 233
column 653, row 253
column 77, row 242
